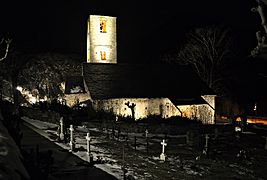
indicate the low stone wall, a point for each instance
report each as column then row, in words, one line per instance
column 46, row 116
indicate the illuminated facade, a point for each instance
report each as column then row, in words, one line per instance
column 163, row 107
column 138, row 90
column 101, row 39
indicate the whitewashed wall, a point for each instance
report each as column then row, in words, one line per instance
column 203, row 112
column 158, row 106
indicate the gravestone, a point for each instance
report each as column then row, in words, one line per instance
column 162, row 155
column 206, row 147
column 71, row 138
column 88, row 139
column 146, row 133
column 88, row 148
column 61, row 135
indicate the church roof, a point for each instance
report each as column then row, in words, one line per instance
column 107, row 81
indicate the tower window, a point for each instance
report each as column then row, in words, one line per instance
column 103, row 55
column 103, row 25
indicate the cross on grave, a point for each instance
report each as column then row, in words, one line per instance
column 71, row 138
column 61, row 135
column 162, row 155
column 146, row 133
column 206, row 144
column 88, row 139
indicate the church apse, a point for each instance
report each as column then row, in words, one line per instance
column 101, row 39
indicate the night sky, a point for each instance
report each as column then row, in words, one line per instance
column 145, row 29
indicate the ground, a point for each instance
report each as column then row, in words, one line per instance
column 126, row 155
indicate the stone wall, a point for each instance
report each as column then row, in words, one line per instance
column 46, row 116
column 158, row 106
column 143, row 107
column 203, row 112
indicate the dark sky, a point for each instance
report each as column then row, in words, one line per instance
column 145, row 28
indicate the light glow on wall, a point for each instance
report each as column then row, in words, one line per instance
column 158, row 106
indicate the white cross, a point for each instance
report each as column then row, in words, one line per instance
column 146, row 133
column 88, row 138
column 71, row 136
column 163, row 145
column 207, row 139
column 61, row 135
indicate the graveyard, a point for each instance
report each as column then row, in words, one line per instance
column 193, row 151
column 123, row 96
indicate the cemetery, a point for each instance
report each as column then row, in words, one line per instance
column 130, row 150
column 96, row 117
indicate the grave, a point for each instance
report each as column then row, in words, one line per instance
column 162, row 155
column 71, row 138
column 61, row 135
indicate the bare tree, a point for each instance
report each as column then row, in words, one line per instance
column 206, row 50
column 46, row 71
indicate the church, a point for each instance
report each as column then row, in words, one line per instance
column 137, row 90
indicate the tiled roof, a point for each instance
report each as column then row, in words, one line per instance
column 107, row 81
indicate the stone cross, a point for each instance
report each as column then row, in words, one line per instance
column 88, row 139
column 146, row 133
column 206, row 144
column 206, row 140
column 162, row 155
column 61, row 135
column 71, row 137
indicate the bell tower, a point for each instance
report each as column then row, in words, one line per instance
column 101, row 39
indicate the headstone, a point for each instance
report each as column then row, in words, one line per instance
column 61, row 135
column 238, row 131
column 88, row 139
column 71, row 138
column 162, row 155
column 206, row 144
column 146, row 133
column 117, row 118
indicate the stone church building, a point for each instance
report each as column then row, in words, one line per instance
column 138, row 90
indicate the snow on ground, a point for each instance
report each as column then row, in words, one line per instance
column 40, row 124
column 110, row 165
